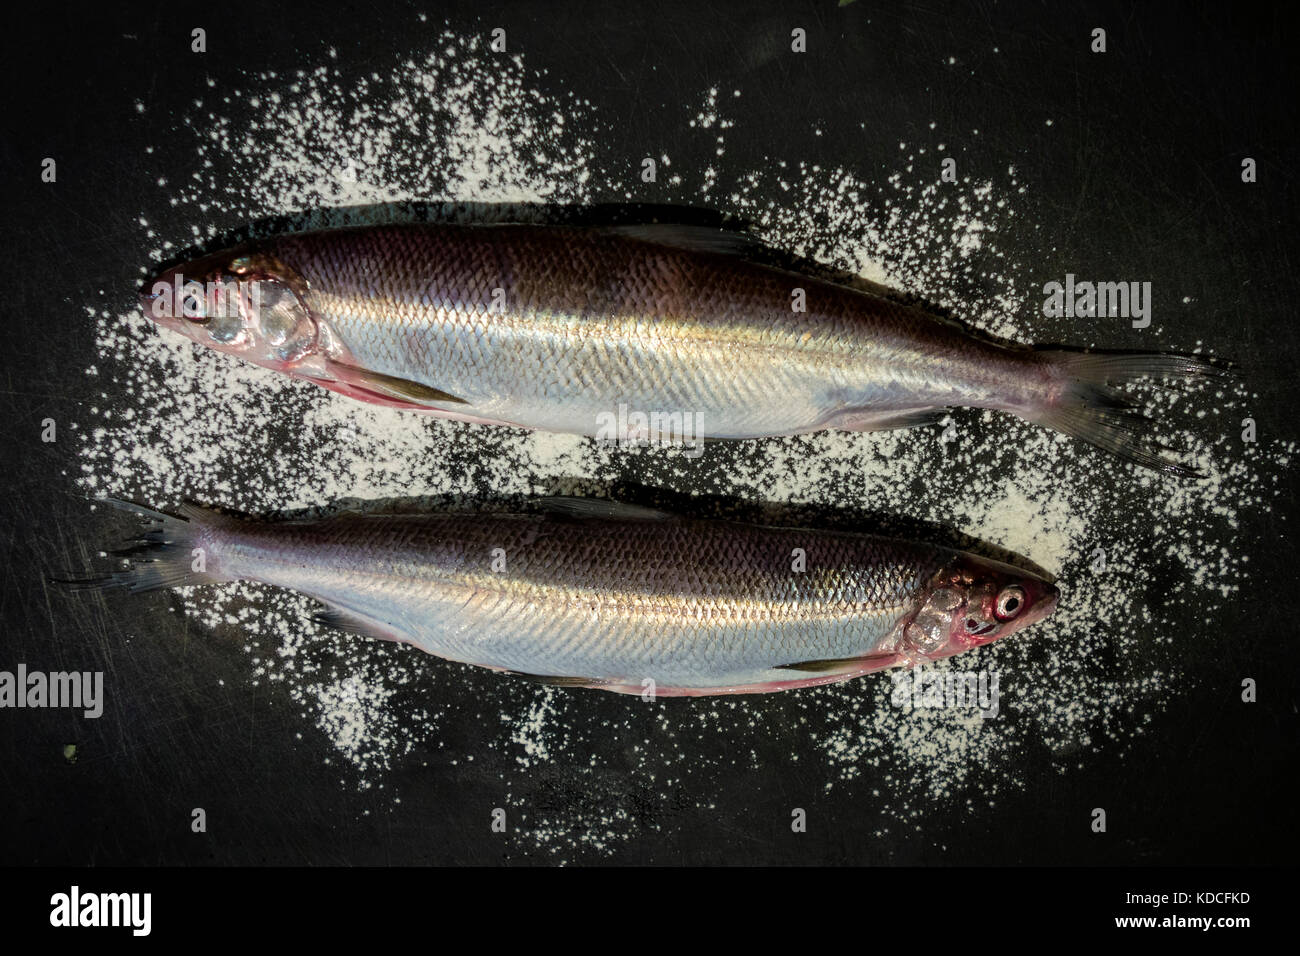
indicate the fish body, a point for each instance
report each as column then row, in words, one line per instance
column 560, row 327
column 617, row 598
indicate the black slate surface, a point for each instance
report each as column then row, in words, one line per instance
column 1139, row 175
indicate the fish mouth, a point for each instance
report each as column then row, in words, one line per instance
column 1044, row 606
column 150, row 305
column 147, row 298
column 1047, row 597
column 161, row 295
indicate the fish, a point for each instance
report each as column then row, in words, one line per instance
column 652, row 333
column 587, row 593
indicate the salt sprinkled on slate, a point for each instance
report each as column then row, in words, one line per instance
column 459, row 126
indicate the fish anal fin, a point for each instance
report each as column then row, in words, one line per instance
column 353, row 623
column 875, row 420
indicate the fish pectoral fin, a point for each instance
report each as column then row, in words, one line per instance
column 842, row 665
column 390, row 386
column 869, row 420
column 573, row 507
column 691, row 238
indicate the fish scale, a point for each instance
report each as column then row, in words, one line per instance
column 594, row 322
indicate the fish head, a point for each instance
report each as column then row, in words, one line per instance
column 241, row 302
column 974, row 601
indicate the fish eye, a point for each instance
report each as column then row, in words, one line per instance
column 1011, row 601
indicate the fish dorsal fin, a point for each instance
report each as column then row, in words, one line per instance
column 390, row 386
column 692, row 238
column 572, row 507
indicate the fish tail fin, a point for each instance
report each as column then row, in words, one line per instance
column 172, row 552
column 1093, row 407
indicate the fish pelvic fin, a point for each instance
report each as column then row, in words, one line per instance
column 168, row 554
column 1094, row 408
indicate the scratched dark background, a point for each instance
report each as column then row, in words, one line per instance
column 1139, row 176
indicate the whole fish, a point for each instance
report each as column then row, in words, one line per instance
column 586, row 593
column 660, row 333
